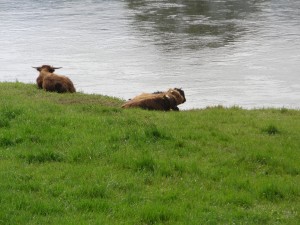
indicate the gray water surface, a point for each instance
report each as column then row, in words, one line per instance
column 222, row 52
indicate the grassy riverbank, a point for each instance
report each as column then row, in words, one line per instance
column 81, row 159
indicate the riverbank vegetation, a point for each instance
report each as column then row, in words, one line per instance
column 81, row 159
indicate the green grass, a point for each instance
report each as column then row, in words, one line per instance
column 81, row 159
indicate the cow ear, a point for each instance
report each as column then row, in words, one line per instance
column 37, row 68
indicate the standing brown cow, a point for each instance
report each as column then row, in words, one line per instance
column 53, row 82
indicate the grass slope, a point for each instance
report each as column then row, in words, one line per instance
column 81, row 159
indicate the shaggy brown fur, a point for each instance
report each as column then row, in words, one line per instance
column 153, row 103
column 164, row 101
column 53, row 82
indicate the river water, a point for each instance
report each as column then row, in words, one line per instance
column 221, row 52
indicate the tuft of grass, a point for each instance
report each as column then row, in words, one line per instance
column 42, row 157
column 156, row 214
column 271, row 130
column 146, row 164
column 93, row 192
column 272, row 193
column 9, row 140
column 7, row 114
column 4, row 122
column 10, row 113
column 154, row 134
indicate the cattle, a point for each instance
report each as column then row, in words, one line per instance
column 163, row 101
column 49, row 81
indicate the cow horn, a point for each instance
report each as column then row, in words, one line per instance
column 35, row 67
column 56, row 68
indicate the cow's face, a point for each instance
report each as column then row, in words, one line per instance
column 181, row 93
column 179, row 97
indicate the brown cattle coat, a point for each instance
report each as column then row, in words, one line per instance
column 163, row 101
column 53, row 82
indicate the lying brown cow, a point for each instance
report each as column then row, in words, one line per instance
column 164, row 101
column 53, row 82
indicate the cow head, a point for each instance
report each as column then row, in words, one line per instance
column 47, row 68
column 178, row 94
column 181, row 93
